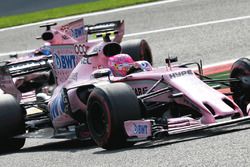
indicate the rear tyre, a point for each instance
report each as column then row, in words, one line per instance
column 241, row 90
column 108, row 107
column 11, row 124
column 138, row 49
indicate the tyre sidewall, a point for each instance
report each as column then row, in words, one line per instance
column 138, row 49
column 99, row 97
column 120, row 104
column 240, row 68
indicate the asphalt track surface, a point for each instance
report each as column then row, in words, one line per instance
column 192, row 32
column 14, row 7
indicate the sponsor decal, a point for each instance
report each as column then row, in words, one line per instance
column 98, row 67
column 64, row 28
column 67, row 108
column 64, row 61
column 74, row 29
column 77, row 32
column 140, row 129
column 65, row 37
column 180, row 74
column 80, row 49
column 140, row 91
column 59, row 106
column 85, row 61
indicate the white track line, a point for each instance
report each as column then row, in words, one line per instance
column 223, row 62
column 189, row 26
column 163, row 30
column 94, row 14
column 16, row 52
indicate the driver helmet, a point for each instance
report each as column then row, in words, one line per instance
column 120, row 64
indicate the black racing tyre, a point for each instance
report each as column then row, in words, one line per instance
column 11, row 144
column 11, row 124
column 108, row 107
column 241, row 90
column 138, row 49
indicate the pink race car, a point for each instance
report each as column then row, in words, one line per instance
column 35, row 80
column 111, row 96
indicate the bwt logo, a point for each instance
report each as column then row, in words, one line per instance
column 140, row 129
column 65, row 61
column 180, row 74
column 78, row 32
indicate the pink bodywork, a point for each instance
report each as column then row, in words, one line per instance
column 196, row 93
column 73, row 69
column 70, row 65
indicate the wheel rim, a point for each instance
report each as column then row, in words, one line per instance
column 99, row 119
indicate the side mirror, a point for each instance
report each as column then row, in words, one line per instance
column 48, row 26
column 47, row 36
column 101, row 73
column 171, row 60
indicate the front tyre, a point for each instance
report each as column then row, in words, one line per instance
column 108, row 107
column 241, row 90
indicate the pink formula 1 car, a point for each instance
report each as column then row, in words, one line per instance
column 38, row 80
column 115, row 99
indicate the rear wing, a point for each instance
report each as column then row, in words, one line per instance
column 106, row 29
column 17, row 69
column 77, row 32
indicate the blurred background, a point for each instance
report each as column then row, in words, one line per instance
column 13, row 7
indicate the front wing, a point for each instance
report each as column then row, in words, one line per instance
column 140, row 130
